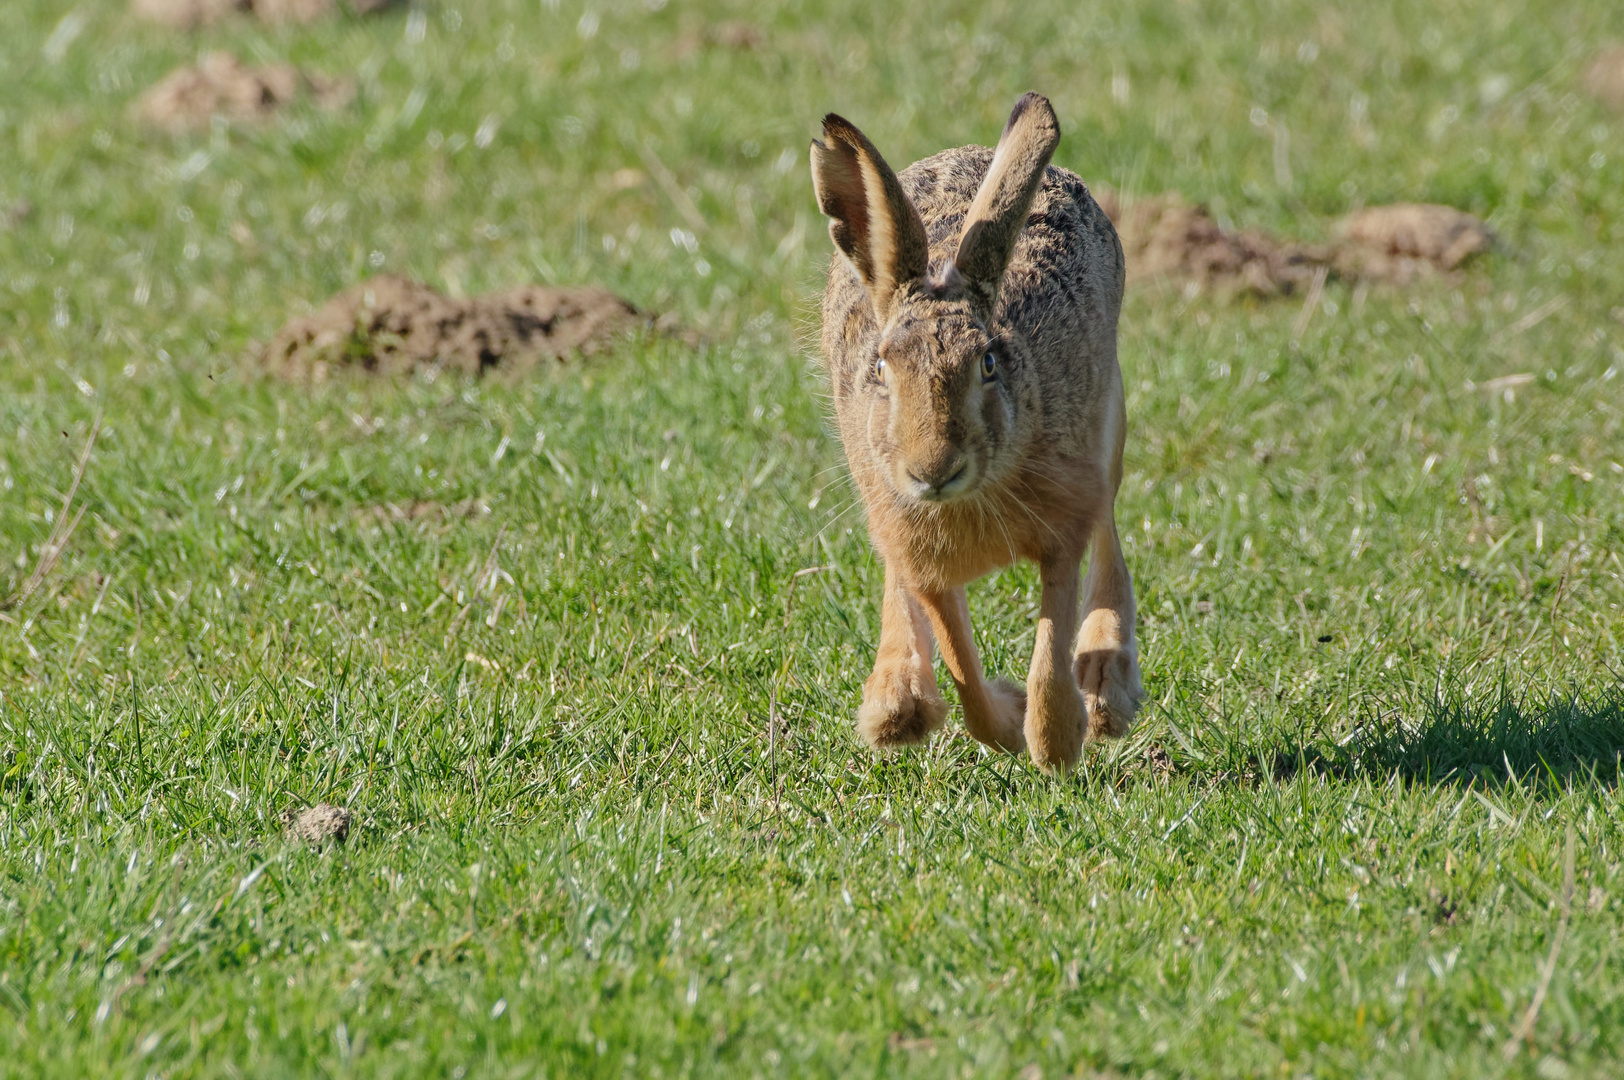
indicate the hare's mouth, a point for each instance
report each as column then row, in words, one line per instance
column 942, row 484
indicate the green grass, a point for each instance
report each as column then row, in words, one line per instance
column 1380, row 606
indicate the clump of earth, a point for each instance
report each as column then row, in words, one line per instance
column 318, row 825
column 1405, row 241
column 191, row 14
column 735, row 36
column 190, row 97
column 1603, row 79
column 14, row 214
column 1166, row 237
column 394, row 326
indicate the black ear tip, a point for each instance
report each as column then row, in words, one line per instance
column 835, row 125
column 1031, row 101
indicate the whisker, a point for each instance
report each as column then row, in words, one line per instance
column 851, row 505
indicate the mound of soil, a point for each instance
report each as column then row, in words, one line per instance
column 320, row 825
column 1167, row 237
column 1404, row 241
column 390, row 325
column 190, row 14
column 296, row 11
column 188, row 98
column 736, row 36
column 185, row 14
column 1604, row 78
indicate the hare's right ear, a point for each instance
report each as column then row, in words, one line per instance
column 998, row 214
column 874, row 225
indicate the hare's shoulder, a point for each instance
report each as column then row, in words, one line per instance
column 1065, row 225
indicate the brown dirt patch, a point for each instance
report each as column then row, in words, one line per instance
column 740, row 36
column 1166, row 237
column 191, row 14
column 1604, row 78
column 735, row 36
column 188, row 98
column 1404, row 241
column 390, row 325
column 320, row 825
column 14, row 214
column 295, row 11
column 185, row 14
column 1159, row 762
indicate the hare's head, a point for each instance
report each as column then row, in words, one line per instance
column 941, row 391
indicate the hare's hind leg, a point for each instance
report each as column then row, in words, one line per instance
column 901, row 703
column 1107, row 658
column 993, row 711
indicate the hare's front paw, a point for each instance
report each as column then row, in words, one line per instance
column 901, row 705
column 1055, row 722
column 1000, row 723
column 1109, row 681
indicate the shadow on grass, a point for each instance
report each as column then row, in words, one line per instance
column 1566, row 740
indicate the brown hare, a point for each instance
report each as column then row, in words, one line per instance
column 970, row 331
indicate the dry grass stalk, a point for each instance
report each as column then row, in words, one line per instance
column 61, row 531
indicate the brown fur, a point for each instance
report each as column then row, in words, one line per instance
column 960, row 473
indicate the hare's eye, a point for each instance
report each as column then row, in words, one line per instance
column 879, row 371
column 989, row 366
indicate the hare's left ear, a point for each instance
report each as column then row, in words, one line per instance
column 874, row 225
column 998, row 214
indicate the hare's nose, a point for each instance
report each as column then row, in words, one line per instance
column 938, row 481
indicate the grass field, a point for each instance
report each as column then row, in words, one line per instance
column 592, row 707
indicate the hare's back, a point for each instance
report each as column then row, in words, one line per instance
column 1067, row 266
